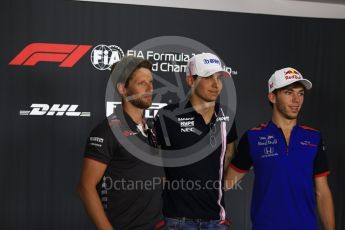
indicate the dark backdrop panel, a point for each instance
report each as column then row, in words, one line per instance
column 41, row 156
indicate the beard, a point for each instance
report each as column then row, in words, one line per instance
column 141, row 104
column 137, row 101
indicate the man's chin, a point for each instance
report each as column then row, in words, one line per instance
column 292, row 116
column 141, row 104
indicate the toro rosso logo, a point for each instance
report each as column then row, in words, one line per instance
column 292, row 74
column 65, row 54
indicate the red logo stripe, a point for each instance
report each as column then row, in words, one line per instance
column 37, row 57
column 74, row 57
column 37, row 52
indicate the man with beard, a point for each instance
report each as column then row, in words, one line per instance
column 289, row 162
column 199, row 126
column 116, row 188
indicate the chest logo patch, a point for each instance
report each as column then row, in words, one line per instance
column 308, row 143
column 267, row 140
column 269, row 151
column 186, row 124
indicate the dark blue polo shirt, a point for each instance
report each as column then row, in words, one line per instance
column 283, row 195
column 194, row 191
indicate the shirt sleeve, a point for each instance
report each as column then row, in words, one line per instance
column 320, row 163
column 232, row 135
column 101, row 144
column 242, row 160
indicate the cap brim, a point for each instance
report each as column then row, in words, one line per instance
column 307, row 84
column 225, row 74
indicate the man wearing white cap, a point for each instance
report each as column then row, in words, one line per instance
column 289, row 162
column 200, row 124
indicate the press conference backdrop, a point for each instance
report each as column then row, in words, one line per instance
column 54, row 61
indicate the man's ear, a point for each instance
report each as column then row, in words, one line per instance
column 121, row 89
column 190, row 81
column 272, row 97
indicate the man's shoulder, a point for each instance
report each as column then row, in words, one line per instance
column 103, row 128
column 259, row 127
column 171, row 107
column 171, row 110
column 308, row 128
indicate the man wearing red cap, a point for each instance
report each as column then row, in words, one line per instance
column 289, row 162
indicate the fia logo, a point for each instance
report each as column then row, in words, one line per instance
column 103, row 56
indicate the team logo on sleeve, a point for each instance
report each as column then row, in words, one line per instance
column 308, row 143
column 96, row 141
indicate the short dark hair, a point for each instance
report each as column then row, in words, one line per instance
column 142, row 64
column 285, row 87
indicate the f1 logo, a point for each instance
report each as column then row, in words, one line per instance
column 67, row 54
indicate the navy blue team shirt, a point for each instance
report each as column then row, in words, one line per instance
column 283, row 195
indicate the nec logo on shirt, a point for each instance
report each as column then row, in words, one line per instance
column 186, row 124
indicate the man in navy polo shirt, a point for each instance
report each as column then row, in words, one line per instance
column 193, row 195
column 289, row 162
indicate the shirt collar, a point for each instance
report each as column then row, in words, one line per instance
column 190, row 109
column 124, row 117
column 271, row 124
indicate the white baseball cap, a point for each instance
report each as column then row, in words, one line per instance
column 204, row 65
column 285, row 77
